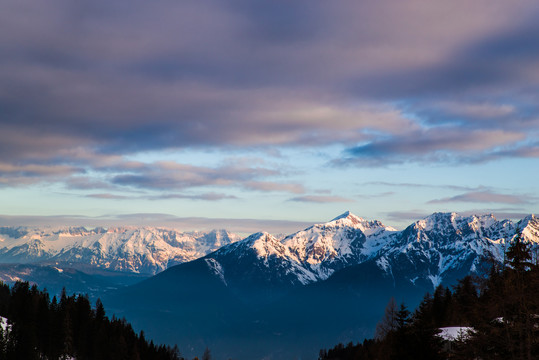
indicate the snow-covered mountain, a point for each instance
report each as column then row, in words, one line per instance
column 309, row 255
column 440, row 248
column 446, row 246
column 346, row 240
column 145, row 250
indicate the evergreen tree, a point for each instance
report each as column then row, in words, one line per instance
column 403, row 317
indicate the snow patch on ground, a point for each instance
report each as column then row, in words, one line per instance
column 453, row 333
column 435, row 279
column 383, row 263
column 4, row 324
column 216, row 268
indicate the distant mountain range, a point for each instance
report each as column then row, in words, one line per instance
column 144, row 250
column 262, row 297
column 96, row 261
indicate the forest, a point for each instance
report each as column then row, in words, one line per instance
column 68, row 328
column 501, row 309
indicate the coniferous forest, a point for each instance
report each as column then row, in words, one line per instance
column 68, row 328
column 502, row 310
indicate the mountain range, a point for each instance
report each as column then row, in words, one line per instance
column 261, row 297
column 269, row 298
column 98, row 260
column 144, row 250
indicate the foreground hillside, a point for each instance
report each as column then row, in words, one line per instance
column 280, row 299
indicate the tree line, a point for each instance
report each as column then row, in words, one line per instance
column 68, row 328
column 501, row 308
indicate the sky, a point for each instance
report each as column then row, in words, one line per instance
column 266, row 115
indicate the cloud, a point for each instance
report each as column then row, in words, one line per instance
column 271, row 186
column 107, row 196
column 374, row 196
column 419, row 185
column 85, row 86
column 487, row 197
column 320, row 199
column 87, row 183
column 442, row 144
column 212, row 196
column 242, row 226
column 172, row 175
column 16, row 175
column 481, row 111
column 406, row 217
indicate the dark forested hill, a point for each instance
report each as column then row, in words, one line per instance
column 36, row 327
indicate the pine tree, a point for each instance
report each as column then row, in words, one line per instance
column 519, row 254
column 403, row 317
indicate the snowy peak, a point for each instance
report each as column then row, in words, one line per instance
column 449, row 225
column 529, row 226
column 369, row 228
column 266, row 245
column 437, row 221
column 344, row 241
column 347, row 218
column 262, row 244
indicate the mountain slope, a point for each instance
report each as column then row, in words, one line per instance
column 446, row 246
